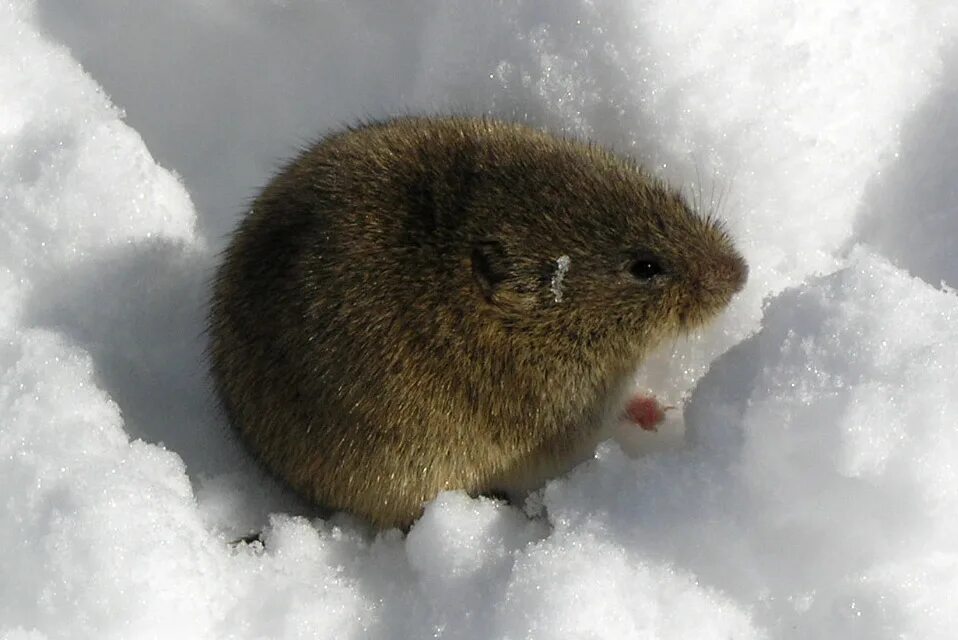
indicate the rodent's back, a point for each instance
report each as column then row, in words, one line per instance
column 386, row 323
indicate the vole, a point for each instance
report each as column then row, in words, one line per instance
column 433, row 303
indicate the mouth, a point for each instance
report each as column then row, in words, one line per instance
column 690, row 320
column 704, row 306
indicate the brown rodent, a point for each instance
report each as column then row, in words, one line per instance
column 425, row 304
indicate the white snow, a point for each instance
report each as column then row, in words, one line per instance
column 806, row 488
column 563, row 263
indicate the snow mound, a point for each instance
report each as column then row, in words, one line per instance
column 819, row 484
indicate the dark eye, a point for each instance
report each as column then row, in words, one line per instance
column 645, row 269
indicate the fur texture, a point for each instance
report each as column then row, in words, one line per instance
column 385, row 323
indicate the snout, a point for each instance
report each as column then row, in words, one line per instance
column 721, row 276
column 711, row 287
column 732, row 271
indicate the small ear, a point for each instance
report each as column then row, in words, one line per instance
column 490, row 266
column 498, row 278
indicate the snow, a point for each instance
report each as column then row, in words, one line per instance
column 563, row 263
column 807, row 487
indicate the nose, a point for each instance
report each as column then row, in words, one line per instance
column 735, row 271
column 725, row 274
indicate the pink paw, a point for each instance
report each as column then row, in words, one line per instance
column 646, row 412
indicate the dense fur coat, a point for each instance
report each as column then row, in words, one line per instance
column 449, row 303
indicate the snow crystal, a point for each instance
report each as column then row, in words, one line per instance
column 562, row 268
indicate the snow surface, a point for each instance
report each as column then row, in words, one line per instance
column 807, row 488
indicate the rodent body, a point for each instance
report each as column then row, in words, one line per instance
column 449, row 303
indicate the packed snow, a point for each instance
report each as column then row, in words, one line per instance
column 807, row 484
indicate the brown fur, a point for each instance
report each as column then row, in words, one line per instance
column 384, row 325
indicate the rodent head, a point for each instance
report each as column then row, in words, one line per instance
column 587, row 246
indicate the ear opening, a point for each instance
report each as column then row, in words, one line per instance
column 490, row 266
